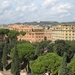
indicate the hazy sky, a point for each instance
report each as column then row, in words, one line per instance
column 12, row 11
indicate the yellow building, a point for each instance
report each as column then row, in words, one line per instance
column 63, row 32
column 48, row 34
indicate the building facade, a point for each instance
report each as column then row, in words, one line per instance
column 33, row 33
column 37, row 33
column 63, row 32
column 48, row 34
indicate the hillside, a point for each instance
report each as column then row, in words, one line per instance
column 42, row 23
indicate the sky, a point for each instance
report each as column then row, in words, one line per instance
column 13, row 11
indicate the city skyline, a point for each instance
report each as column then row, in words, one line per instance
column 13, row 11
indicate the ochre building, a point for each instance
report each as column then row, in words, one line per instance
column 33, row 33
column 37, row 33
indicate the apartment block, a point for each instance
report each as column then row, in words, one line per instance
column 63, row 32
column 37, row 33
column 33, row 33
column 48, row 34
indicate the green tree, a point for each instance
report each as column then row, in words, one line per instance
column 15, row 66
column 69, row 71
column 22, row 32
column 26, row 52
column 63, row 69
column 62, row 46
column 11, row 45
column 50, row 47
column 4, row 56
column 50, row 62
column 1, row 48
column 72, row 64
column 1, row 53
column 13, row 34
column 41, row 47
column 70, row 49
column 3, row 32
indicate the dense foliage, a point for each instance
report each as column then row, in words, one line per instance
column 72, row 64
column 41, row 47
column 25, row 51
column 4, row 31
column 15, row 66
column 46, row 56
column 22, row 32
column 50, row 62
column 13, row 34
column 63, row 70
column 4, row 56
column 3, row 34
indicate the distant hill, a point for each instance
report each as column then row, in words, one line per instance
column 42, row 23
column 68, row 22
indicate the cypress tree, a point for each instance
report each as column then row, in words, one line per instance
column 15, row 66
column 4, row 56
column 63, row 70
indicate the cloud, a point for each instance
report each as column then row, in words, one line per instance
column 65, row 15
column 34, row 10
column 5, row 4
column 7, row 15
column 48, row 2
column 61, row 8
column 31, row 7
column 21, row 8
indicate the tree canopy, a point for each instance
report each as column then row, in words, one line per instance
column 25, row 51
column 4, row 56
column 3, row 34
column 62, row 46
column 13, row 34
column 4, row 31
column 50, row 62
column 72, row 64
column 15, row 66
column 41, row 47
column 22, row 32
column 63, row 69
